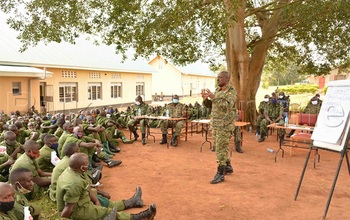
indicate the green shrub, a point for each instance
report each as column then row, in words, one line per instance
column 299, row 89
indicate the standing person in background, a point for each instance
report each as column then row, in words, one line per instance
column 176, row 110
column 223, row 115
column 284, row 101
column 140, row 108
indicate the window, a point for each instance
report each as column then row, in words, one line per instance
column 116, row 90
column 16, row 88
column 69, row 74
column 94, row 91
column 94, row 75
column 140, row 89
column 68, row 92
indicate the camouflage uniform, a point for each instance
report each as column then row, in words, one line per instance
column 175, row 111
column 223, row 115
column 273, row 111
column 313, row 109
column 144, row 110
column 261, row 115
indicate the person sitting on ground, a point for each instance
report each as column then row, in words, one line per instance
column 13, row 147
column 313, row 107
column 21, row 180
column 48, row 158
column 68, row 132
column 28, row 160
column 73, row 189
column 5, row 163
column 89, row 146
column 140, row 108
column 94, row 176
column 7, row 202
column 176, row 110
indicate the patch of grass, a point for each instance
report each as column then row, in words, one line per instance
column 48, row 207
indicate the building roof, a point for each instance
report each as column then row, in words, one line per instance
column 24, row 71
column 198, row 68
column 83, row 55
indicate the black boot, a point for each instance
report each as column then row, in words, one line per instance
column 238, row 147
column 164, row 140
column 111, row 215
column 174, row 141
column 113, row 148
column 148, row 214
column 219, row 176
column 135, row 200
column 144, row 139
column 96, row 176
column 135, row 135
column 228, row 168
column 262, row 138
column 113, row 163
column 290, row 133
column 95, row 158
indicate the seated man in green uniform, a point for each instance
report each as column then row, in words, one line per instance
column 7, row 202
column 48, row 158
column 140, row 108
column 173, row 110
column 90, row 146
column 12, row 146
column 69, row 150
column 5, row 163
column 68, row 131
column 273, row 114
column 75, row 201
column 28, row 160
column 313, row 107
column 21, row 180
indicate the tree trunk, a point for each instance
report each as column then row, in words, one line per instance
column 246, row 69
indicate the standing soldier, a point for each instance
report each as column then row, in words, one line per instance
column 223, row 115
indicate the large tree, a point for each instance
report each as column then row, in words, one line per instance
column 313, row 33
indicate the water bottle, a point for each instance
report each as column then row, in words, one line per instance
column 250, row 129
column 139, row 112
column 270, row 150
column 27, row 215
column 286, row 121
column 256, row 136
column 167, row 113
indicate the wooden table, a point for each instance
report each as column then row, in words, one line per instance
column 205, row 127
column 173, row 120
column 295, row 139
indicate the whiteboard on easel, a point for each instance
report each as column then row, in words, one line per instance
column 332, row 124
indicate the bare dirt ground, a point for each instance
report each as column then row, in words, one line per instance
column 177, row 181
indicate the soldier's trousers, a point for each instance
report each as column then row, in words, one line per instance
column 221, row 142
column 170, row 124
column 264, row 123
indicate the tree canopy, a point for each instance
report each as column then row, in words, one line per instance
column 313, row 34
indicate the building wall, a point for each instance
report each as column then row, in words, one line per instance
column 167, row 79
column 192, row 84
column 83, row 79
column 28, row 96
column 170, row 81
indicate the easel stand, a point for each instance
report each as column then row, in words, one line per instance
column 343, row 152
